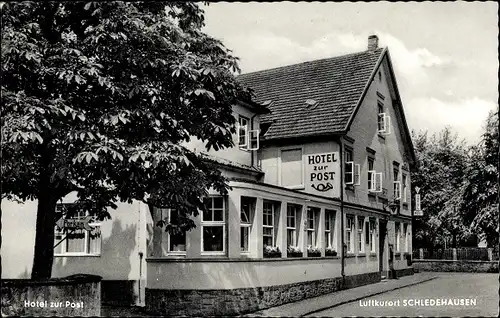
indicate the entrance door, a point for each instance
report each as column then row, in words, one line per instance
column 381, row 245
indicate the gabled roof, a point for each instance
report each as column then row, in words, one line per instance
column 336, row 85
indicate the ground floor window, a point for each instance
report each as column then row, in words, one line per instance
column 372, row 235
column 349, row 233
column 291, row 224
column 311, row 228
column 213, row 226
column 246, row 217
column 268, row 223
column 329, row 228
column 405, row 233
column 398, row 235
column 361, row 236
column 176, row 241
column 69, row 240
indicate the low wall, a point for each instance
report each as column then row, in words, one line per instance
column 182, row 302
column 76, row 295
column 455, row 266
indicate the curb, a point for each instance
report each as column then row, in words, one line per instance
column 366, row 296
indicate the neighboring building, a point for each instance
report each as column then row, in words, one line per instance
column 322, row 160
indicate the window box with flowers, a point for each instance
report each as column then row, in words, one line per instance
column 313, row 251
column 330, row 252
column 294, row 251
column 272, row 251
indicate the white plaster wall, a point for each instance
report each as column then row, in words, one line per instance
column 236, row 274
column 388, row 148
column 269, row 158
column 123, row 237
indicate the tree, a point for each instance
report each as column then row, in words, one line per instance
column 441, row 162
column 99, row 98
column 480, row 192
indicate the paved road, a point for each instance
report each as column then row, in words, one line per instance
column 481, row 288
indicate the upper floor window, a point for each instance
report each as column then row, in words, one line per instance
column 248, row 139
column 351, row 169
column 242, row 132
column 396, row 183
column 213, row 226
column 374, row 177
column 380, row 121
column 292, row 174
column 404, row 191
column 383, row 120
column 70, row 239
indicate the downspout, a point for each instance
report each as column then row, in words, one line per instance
column 342, row 212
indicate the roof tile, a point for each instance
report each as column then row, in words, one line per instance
column 335, row 83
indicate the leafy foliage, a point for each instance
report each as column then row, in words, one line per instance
column 480, row 192
column 99, row 98
column 440, row 174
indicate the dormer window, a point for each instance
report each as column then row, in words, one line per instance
column 311, row 103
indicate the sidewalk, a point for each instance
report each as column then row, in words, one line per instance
column 312, row 305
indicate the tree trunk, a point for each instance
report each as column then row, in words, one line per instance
column 44, row 239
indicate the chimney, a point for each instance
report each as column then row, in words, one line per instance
column 372, row 42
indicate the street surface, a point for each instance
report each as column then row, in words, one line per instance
column 479, row 288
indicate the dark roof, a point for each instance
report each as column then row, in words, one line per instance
column 337, row 84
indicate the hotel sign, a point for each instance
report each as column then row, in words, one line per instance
column 322, row 172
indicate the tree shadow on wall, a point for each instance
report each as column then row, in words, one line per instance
column 114, row 264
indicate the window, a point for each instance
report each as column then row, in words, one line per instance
column 268, row 223
column 374, row 178
column 348, row 167
column 372, row 236
column 69, row 240
column 349, row 228
column 246, row 217
column 381, row 115
column 407, row 240
column 396, row 184
column 176, row 242
column 405, row 198
column 254, row 141
column 291, row 224
column 398, row 235
column 371, row 162
column 291, row 168
column 243, row 132
column 361, row 237
column 329, row 228
column 351, row 170
column 311, row 226
column 213, row 226
column 383, row 120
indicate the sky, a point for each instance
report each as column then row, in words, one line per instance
column 444, row 53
